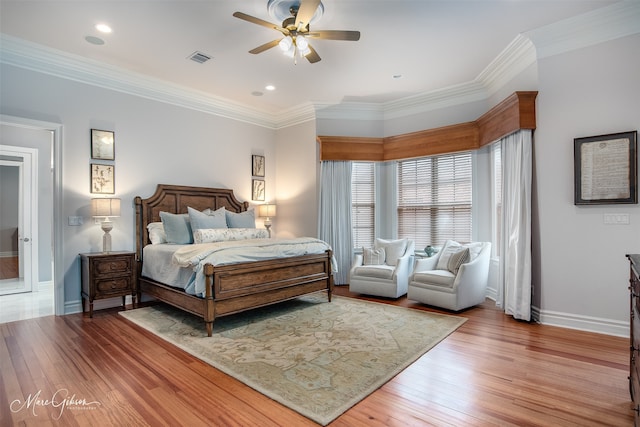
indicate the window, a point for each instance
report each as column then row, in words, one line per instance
column 434, row 199
column 363, row 204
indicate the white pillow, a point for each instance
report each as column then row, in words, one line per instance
column 393, row 249
column 450, row 247
column 156, row 233
column 210, row 235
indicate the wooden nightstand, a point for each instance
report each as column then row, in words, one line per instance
column 108, row 275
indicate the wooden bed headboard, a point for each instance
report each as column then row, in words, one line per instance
column 176, row 199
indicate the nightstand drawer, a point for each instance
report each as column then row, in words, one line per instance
column 112, row 266
column 114, row 284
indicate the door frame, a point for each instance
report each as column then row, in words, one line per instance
column 27, row 208
column 56, row 165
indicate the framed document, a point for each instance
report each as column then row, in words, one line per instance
column 605, row 169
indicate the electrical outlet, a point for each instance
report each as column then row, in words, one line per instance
column 75, row 220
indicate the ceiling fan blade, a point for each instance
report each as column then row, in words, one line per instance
column 262, row 22
column 305, row 12
column 335, row 35
column 312, row 56
column 265, row 46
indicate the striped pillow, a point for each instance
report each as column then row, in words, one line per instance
column 457, row 259
column 373, row 256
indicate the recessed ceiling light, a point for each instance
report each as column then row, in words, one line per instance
column 257, row 93
column 94, row 40
column 270, row 87
column 103, row 28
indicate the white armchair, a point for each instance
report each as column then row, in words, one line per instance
column 384, row 270
column 455, row 278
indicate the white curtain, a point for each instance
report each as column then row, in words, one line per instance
column 334, row 219
column 514, row 287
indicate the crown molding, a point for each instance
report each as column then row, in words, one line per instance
column 601, row 25
column 514, row 59
column 617, row 20
column 35, row 57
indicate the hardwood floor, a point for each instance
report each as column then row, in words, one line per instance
column 492, row 371
column 9, row 267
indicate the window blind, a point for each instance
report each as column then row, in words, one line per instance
column 434, row 199
column 363, row 204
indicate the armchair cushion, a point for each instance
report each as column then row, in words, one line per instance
column 373, row 256
column 378, row 271
column 440, row 278
column 394, row 249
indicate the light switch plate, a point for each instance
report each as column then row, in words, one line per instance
column 617, row 218
column 75, row 220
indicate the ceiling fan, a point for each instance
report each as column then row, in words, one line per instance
column 295, row 29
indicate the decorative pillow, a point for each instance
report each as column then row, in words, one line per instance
column 373, row 256
column 176, row 228
column 210, row 235
column 213, row 219
column 156, row 233
column 393, row 249
column 457, row 259
column 450, row 247
column 245, row 219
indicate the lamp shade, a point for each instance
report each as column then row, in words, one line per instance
column 267, row 211
column 105, row 207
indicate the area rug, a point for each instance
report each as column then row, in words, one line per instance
column 317, row 358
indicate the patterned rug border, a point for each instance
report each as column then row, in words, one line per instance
column 319, row 418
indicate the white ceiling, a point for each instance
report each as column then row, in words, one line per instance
column 433, row 44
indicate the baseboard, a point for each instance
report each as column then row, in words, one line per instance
column 8, row 254
column 583, row 323
column 71, row 307
column 575, row 321
column 45, row 286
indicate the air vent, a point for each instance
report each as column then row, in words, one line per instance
column 199, row 57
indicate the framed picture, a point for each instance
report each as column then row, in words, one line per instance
column 605, row 169
column 102, row 179
column 257, row 165
column 102, row 145
column 257, row 192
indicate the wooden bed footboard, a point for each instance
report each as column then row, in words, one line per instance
column 235, row 288
column 229, row 288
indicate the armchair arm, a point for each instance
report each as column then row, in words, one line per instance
column 476, row 272
column 426, row 264
column 403, row 267
column 357, row 262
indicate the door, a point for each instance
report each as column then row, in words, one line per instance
column 18, row 250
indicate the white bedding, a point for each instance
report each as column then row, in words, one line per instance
column 189, row 260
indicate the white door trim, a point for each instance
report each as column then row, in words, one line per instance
column 27, row 207
column 56, row 164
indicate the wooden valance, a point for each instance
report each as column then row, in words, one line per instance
column 516, row 112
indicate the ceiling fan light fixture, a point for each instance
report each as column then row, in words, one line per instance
column 306, row 51
column 302, row 43
column 286, row 43
column 291, row 52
